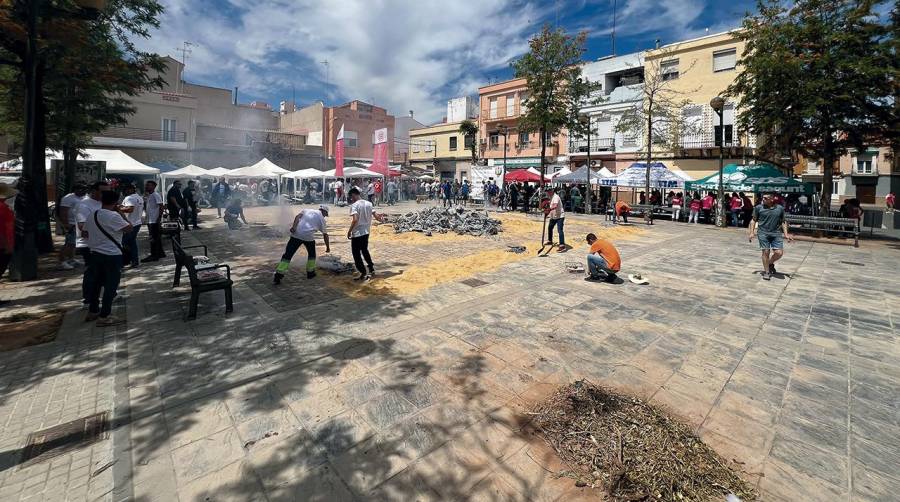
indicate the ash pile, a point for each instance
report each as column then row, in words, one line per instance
column 442, row 220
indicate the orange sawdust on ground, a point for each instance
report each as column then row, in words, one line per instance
column 415, row 279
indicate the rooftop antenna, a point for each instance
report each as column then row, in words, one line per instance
column 185, row 49
column 615, row 2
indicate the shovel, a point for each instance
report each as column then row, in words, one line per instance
column 543, row 235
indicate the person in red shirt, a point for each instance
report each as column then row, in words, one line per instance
column 677, row 203
column 890, row 201
column 7, row 227
column 707, row 204
column 603, row 260
column 695, row 207
column 736, row 205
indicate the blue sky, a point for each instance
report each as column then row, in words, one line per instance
column 403, row 55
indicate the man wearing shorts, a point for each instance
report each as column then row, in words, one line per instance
column 770, row 227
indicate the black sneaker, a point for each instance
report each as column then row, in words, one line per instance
column 277, row 278
column 611, row 278
column 771, row 268
column 311, row 274
column 371, row 269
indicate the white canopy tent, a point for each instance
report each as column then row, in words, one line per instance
column 117, row 162
column 353, row 172
column 190, row 171
column 265, row 168
column 304, row 174
column 219, row 171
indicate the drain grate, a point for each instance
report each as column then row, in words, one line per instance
column 49, row 443
column 475, row 283
column 853, row 263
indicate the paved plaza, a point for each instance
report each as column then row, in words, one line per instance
column 418, row 386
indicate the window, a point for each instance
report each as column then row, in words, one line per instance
column 168, row 130
column 468, row 141
column 510, row 105
column 351, row 139
column 452, row 143
column 494, row 140
column 812, row 167
column 524, row 140
column 669, row 69
column 493, row 108
column 724, row 60
column 428, row 144
column 834, row 189
column 415, row 146
column 864, row 165
column 726, row 135
column 523, row 96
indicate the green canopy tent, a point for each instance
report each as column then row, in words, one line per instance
column 753, row 178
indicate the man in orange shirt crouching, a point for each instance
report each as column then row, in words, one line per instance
column 603, row 261
column 621, row 211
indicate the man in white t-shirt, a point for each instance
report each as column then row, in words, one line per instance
column 68, row 206
column 133, row 208
column 557, row 216
column 362, row 213
column 84, row 210
column 303, row 232
column 104, row 229
column 155, row 207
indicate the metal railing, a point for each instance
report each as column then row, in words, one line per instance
column 598, row 144
column 709, row 141
column 124, row 132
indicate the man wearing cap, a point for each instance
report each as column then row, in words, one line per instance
column 603, row 260
column 303, row 232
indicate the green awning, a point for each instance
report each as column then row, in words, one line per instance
column 753, row 178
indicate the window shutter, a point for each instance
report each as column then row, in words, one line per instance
column 724, row 60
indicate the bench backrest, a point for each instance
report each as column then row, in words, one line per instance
column 185, row 259
column 822, row 221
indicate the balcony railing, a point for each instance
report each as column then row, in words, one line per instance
column 598, row 144
column 710, row 141
column 124, row 132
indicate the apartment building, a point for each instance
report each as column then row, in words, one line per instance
column 442, row 150
column 501, row 104
column 621, row 80
column 868, row 175
column 696, row 71
column 184, row 123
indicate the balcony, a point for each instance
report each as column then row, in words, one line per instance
column 136, row 137
column 598, row 144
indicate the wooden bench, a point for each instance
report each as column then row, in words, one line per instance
column 847, row 226
column 203, row 278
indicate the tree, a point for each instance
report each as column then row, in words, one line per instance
column 469, row 130
column 817, row 77
column 659, row 117
column 71, row 70
column 556, row 89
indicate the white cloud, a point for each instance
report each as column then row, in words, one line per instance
column 401, row 54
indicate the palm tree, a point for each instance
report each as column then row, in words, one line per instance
column 469, row 129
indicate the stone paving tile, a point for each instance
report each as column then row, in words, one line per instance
column 307, row 393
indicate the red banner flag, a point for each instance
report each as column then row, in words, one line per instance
column 339, row 154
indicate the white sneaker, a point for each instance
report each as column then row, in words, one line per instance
column 65, row 266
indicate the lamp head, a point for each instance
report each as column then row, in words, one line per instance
column 717, row 103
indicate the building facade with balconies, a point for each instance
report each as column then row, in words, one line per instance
column 695, row 71
column 501, row 105
column 621, row 81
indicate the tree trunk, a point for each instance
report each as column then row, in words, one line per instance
column 827, row 175
column 44, row 236
column 649, row 153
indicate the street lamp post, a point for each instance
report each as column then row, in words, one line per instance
column 718, row 105
column 502, row 129
column 586, row 122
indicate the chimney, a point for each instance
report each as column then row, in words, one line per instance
column 410, row 114
column 657, row 43
column 234, row 98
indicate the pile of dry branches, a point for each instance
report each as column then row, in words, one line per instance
column 632, row 449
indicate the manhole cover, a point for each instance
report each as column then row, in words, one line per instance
column 853, row 263
column 62, row 438
column 474, row 282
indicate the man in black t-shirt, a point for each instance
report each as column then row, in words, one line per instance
column 190, row 199
column 176, row 204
